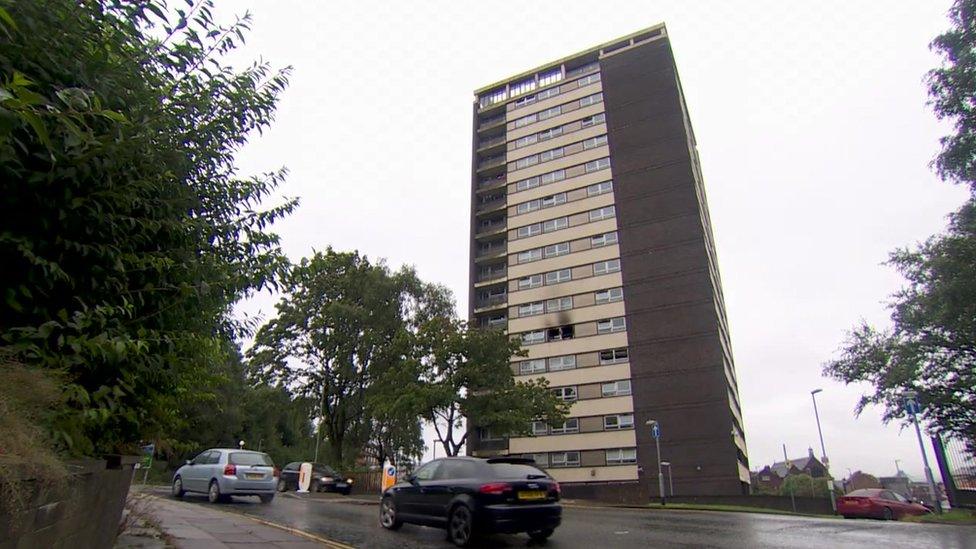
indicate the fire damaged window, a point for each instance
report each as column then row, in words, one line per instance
column 560, row 333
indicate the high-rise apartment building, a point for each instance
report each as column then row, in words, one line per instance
column 591, row 241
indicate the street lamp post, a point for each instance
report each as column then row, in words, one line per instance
column 656, row 433
column 670, row 478
column 823, row 451
column 911, row 406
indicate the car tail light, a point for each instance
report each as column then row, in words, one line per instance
column 555, row 486
column 230, row 469
column 495, row 488
column 277, row 472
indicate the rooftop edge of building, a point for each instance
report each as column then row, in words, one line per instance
column 660, row 26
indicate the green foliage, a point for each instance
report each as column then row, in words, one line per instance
column 127, row 233
column 803, row 485
column 952, row 88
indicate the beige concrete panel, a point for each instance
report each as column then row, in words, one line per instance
column 577, row 171
column 593, row 458
column 578, row 194
column 561, row 162
column 594, row 474
column 581, row 218
column 571, row 107
column 583, row 271
column 590, row 391
column 513, row 211
column 512, row 235
column 582, row 376
column 587, row 300
column 516, row 245
column 576, row 345
column 564, row 261
column 579, row 181
column 569, row 208
column 574, row 149
column 591, row 425
column 602, row 407
column 558, row 443
column 585, row 329
column 572, row 316
column 588, row 360
column 579, row 245
column 561, row 99
column 513, row 312
column 566, row 138
column 591, row 284
column 567, row 116
column 513, row 259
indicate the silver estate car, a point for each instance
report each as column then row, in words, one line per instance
column 224, row 472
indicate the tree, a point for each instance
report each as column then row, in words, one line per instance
column 127, row 233
column 803, row 485
column 466, row 374
column 931, row 347
column 339, row 327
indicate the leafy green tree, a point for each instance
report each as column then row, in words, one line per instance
column 127, row 233
column 803, row 485
column 931, row 348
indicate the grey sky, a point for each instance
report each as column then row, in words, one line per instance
column 812, row 128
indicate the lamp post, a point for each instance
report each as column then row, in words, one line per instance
column 670, row 478
column 656, row 433
column 912, row 407
column 823, row 451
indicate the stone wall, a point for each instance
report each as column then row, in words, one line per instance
column 84, row 513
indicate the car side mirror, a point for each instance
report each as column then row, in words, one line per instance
column 189, row 462
column 412, row 479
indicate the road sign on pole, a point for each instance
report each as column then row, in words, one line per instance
column 656, row 430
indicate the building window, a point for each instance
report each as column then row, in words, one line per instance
column 487, row 434
column 557, row 250
column 542, row 460
column 524, row 101
column 522, row 87
column 587, row 80
column 530, row 206
column 554, row 200
column 595, row 142
column 554, row 111
column 531, row 338
column 550, row 133
column 613, row 356
column 558, row 363
column 603, row 213
column 567, row 394
column 526, row 162
column 526, row 120
column 616, row 388
column 621, row 456
column 550, row 77
column 566, row 427
column 493, row 97
column 526, row 141
column 530, row 255
column 560, row 333
column 529, row 230
column 536, row 366
column 527, row 282
column 605, row 267
column 618, row 422
column 559, row 304
column 552, row 154
column 527, row 184
column 556, row 277
column 546, row 94
column 552, row 177
column 555, row 224
column 609, row 296
column 540, row 428
column 498, row 321
column 604, row 239
column 609, row 325
column 530, row 309
column 590, row 100
column 597, row 165
column 564, row 459
column 599, row 188
column 594, row 120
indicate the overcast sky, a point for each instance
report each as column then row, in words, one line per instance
column 811, row 124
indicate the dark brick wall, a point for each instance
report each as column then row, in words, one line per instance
column 671, row 287
column 84, row 514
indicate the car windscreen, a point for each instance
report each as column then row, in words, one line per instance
column 515, row 470
column 250, row 458
column 325, row 470
column 864, row 493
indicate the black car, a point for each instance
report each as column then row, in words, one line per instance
column 471, row 496
column 324, row 479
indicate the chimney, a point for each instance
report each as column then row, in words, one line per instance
column 811, row 453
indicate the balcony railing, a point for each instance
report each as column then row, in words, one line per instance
column 490, row 274
column 491, row 142
column 491, row 162
column 497, row 299
column 487, row 205
column 492, row 181
column 491, row 122
column 485, row 251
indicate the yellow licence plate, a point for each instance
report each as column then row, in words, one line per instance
column 532, row 494
column 254, row 476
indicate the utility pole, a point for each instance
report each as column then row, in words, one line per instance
column 912, row 407
column 823, row 451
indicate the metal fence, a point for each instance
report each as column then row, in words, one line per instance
column 957, row 462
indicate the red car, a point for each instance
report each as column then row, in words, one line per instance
column 878, row 503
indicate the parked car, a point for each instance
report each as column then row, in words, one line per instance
column 471, row 496
column 224, row 472
column 324, row 479
column 878, row 503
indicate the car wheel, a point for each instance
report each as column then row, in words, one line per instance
column 388, row 515
column 887, row 514
column 213, row 494
column 541, row 535
column 282, row 485
column 178, row 490
column 266, row 498
column 460, row 525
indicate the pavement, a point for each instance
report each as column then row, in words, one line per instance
column 339, row 521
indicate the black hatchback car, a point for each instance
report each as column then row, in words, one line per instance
column 472, row 496
column 324, row 479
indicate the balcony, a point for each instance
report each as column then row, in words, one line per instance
column 487, row 183
column 491, row 226
column 491, row 274
column 491, row 162
column 489, row 252
column 495, row 301
column 489, row 123
column 491, row 142
column 492, row 204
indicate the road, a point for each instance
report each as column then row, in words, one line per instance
column 356, row 524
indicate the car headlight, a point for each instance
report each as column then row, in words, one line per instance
column 327, row 479
column 349, row 480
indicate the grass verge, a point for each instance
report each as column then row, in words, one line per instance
column 953, row 516
column 730, row 509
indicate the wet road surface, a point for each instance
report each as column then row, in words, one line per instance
column 354, row 523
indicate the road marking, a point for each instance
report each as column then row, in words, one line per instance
column 622, row 532
column 331, row 543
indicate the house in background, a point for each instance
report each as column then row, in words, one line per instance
column 771, row 477
column 860, row 480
